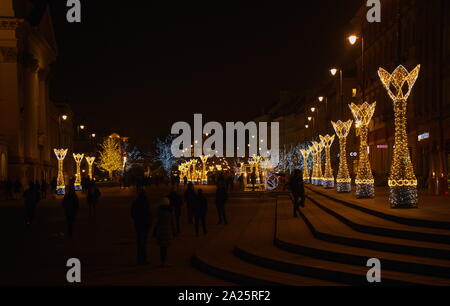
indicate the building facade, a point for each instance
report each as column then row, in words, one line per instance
column 30, row 124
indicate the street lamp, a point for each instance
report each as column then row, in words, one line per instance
column 313, row 109
column 82, row 127
column 64, row 117
column 334, row 71
column 352, row 39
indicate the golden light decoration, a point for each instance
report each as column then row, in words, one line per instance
column 60, row 184
column 204, row 177
column 305, row 153
column 328, row 178
column 343, row 180
column 314, row 169
column 257, row 159
column 78, row 158
column 364, row 179
column 90, row 161
column 193, row 170
column 402, row 181
column 319, row 146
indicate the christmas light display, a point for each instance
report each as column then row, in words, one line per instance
column 402, row 181
column 90, row 161
column 364, row 180
column 60, row 184
column 78, row 158
column 305, row 153
column 194, row 171
column 110, row 156
column 314, row 169
column 328, row 178
column 204, row 178
column 257, row 159
column 343, row 180
column 319, row 174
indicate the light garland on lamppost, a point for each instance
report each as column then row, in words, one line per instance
column 90, row 161
column 60, row 184
column 402, row 181
column 319, row 176
column 328, row 178
column 305, row 154
column 364, row 179
column 78, row 158
column 204, row 159
column 343, row 180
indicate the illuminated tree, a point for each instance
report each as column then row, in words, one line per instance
column 78, row 158
column 164, row 154
column 204, row 178
column 364, row 180
column 328, row 178
column 343, row 180
column 110, row 156
column 402, row 181
column 60, row 184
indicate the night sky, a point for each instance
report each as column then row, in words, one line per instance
column 136, row 67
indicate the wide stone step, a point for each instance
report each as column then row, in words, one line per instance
column 427, row 215
column 367, row 223
column 310, row 263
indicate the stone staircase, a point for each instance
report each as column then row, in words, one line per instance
column 329, row 245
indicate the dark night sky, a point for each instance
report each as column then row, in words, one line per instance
column 137, row 67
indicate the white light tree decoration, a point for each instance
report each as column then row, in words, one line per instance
column 343, row 180
column 305, row 153
column 60, row 184
column 328, row 178
column 90, row 161
column 364, row 179
column 204, row 178
column 164, row 154
column 78, row 159
column 402, row 181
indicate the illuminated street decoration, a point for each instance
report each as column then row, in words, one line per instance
column 343, row 180
column 314, row 170
column 402, row 181
column 78, row 158
column 318, row 146
column 305, row 153
column 193, row 171
column 90, row 161
column 364, row 180
column 60, row 184
column 257, row 159
column 204, row 177
column 328, row 178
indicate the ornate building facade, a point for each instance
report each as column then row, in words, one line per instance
column 30, row 124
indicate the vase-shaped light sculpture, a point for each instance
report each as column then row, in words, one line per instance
column 90, row 161
column 314, row 165
column 78, row 159
column 402, row 181
column 343, row 180
column 364, row 179
column 318, row 146
column 328, row 178
column 204, row 178
column 305, row 153
column 60, row 184
column 257, row 160
column 194, row 171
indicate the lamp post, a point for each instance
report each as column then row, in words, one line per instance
column 402, row 181
column 353, row 39
column 334, row 72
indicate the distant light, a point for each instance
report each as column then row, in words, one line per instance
column 333, row 71
column 307, row 126
column 321, row 99
column 352, row 39
column 64, row 117
column 82, row 127
column 383, row 146
column 309, row 118
column 313, row 109
column 93, row 135
column 423, row 136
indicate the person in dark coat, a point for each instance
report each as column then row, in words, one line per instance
column 31, row 198
column 297, row 190
column 140, row 212
column 164, row 230
column 199, row 210
column 221, row 199
column 175, row 203
column 70, row 204
column 93, row 194
column 190, row 198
